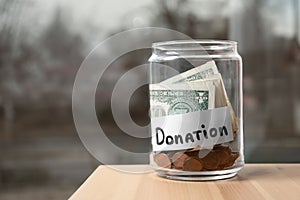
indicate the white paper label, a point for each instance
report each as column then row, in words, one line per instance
column 183, row 131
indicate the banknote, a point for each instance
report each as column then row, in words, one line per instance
column 171, row 99
column 221, row 98
column 202, row 72
column 207, row 72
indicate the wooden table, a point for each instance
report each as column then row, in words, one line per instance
column 254, row 181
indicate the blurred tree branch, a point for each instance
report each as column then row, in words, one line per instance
column 35, row 71
column 11, row 10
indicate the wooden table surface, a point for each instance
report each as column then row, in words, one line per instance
column 254, row 181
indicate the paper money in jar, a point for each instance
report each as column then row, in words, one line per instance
column 195, row 125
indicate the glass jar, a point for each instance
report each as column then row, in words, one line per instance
column 196, row 109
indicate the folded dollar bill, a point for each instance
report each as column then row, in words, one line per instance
column 170, row 99
column 202, row 72
column 197, row 81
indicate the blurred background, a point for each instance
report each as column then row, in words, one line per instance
column 42, row 44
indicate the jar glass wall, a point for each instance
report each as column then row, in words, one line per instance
column 196, row 109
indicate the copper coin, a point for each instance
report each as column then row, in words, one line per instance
column 192, row 164
column 222, row 147
column 193, row 153
column 228, row 150
column 162, row 160
column 211, row 161
column 218, row 146
column 232, row 159
column 223, row 156
column 178, row 159
column 203, row 153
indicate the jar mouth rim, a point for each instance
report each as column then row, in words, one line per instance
column 195, row 44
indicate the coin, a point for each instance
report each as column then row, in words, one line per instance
column 232, row 159
column 223, row 155
column 192, row 164
column 162, row 160
column 178, row 159
column 211, row 161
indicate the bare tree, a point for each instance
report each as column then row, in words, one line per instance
column 177, row 15
column 63, row 45
column 9, row 52
column 62, row 56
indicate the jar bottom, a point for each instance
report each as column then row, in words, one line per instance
column 198, row 176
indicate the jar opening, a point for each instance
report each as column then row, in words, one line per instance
column 186, row 45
